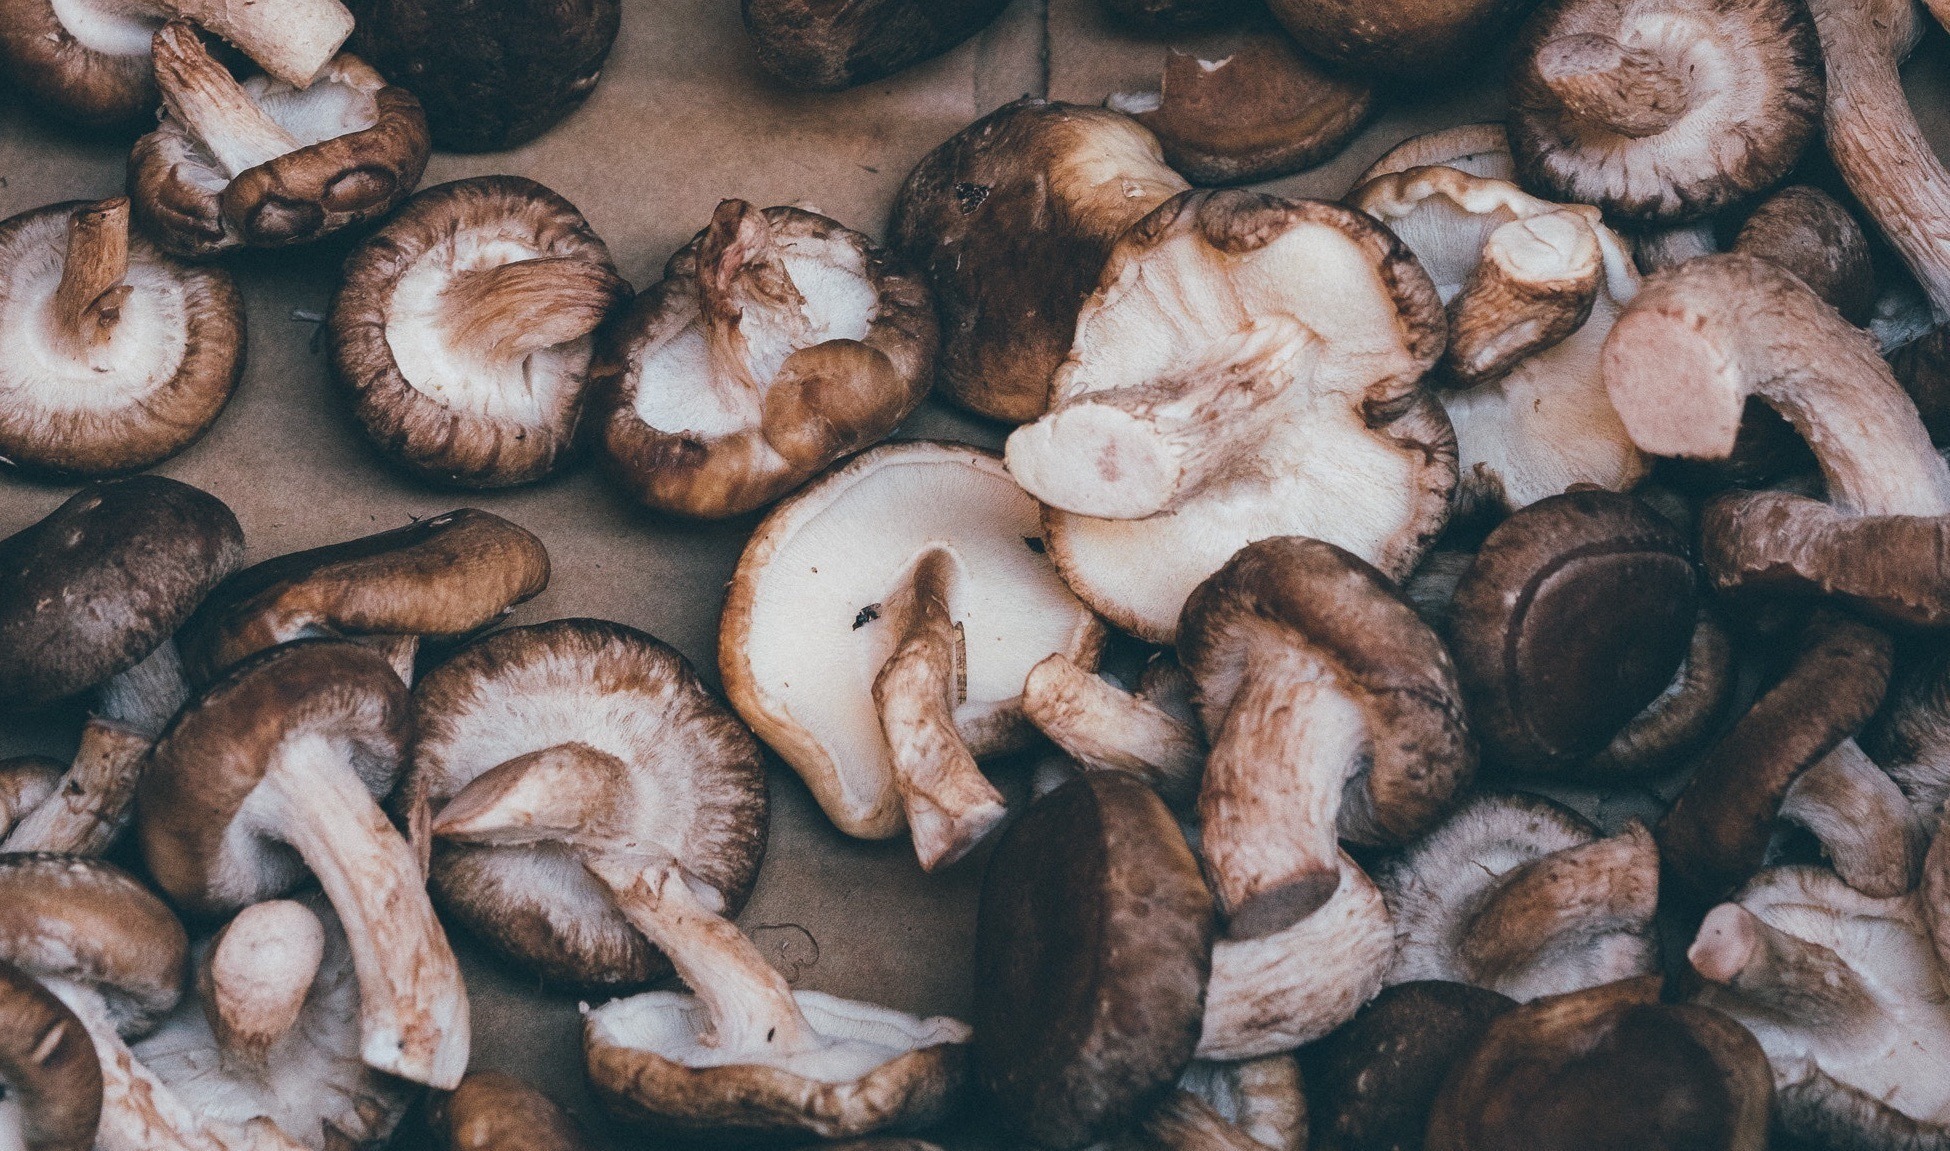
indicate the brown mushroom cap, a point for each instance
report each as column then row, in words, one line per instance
column 1173, row 15
column 1808, row 232
column 1093, row 944
column 462, row 330
column 776, row 342
column 50, row 1081
column 26, row 782
column 826, row 45
column 494, row 1111
column 1011, row 220
column 1662, row 109
column 1404, row 38
column 89, row 923
column 1477, row 149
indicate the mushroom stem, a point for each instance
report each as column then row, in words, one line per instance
column 1535, row 284
column 26, row 782
column 512, row 310
column 741, row 270
column 254, row 980
column 1777, row 972
column 1862, row 820
column 950, row 804
column 1184, row 1122
column 91, row 805
column 1107, row 729
column 1270, row 838
column 88, row 303
column 1613, row 87
column 1607, row 885
column 293, row 40
column 413, row 1019
column 213, row 105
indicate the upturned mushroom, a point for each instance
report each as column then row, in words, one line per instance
column 1661, row 110
column 827, row 45
column 1011, row 221
column 50, row 1081
column 581, row 703
column 1399, row 38
column 265, row 163
column 123, row 355
column 1151, row 733
column 1247, row 368
column 271, row 774
column 777, row 342
column 462, row 330
column 494, row 1111
column 879, row 629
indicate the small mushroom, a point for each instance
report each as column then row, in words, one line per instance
column 1248, row 367
column 1399, row 38
column 1521, row 896
column 1152, row 734
column 1843, row 992
column 1093, row 946
column 494, row 1111
column 272, row 773
column 462, row 330
column 1806, row 231
column 123, row 355
column 1661, row 110
column 1011, row 220
column 777, row 342
column 1610, row 1066
column 265, row 163
column 1478, row 149
column 827, row 45
column 878, row 632
column 50, row 1081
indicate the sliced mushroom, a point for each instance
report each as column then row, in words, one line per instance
column 462, row 330
column 777, row 342
column 826, row 45
column 270, row 774
column 1400, row 38
column 1104, row 728
column 879, row 630
column 1248, row 367
column 50, row 1081
column 266, row 163
column 1661, row 110
column 494, row 1111
column 1011, row 220
column 1478, row 149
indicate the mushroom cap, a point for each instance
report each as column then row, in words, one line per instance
column 696, row 786
column 103, row 580
column 97, row 79
column 50, row 1079
column 827, row 45
column 1808, row 232
column 1574, row 617
column 87, row 922
column 1372, row 1082
column 1305, row 593
column 1011, row 220
column 682, row 438
column 1093, row 945
column 1180, row 279
column 1753, row 101
column 489, row 76
column 165, row 374
column 1264, row 1099
column 650, row 1062
column 800, row 649
column 195, row 823
column 1679, row 718
column 444, row 576
column 494, row 1111
column 1407, row 38
column 444, row 411
column 1481, row 149
column 363, row 147
column 1173, row 15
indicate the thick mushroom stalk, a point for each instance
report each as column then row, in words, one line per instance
column 1631, row 90
column 1107, row 729
column 741, row 272
column 254, row 981
column 1566, row 898
column 513, row 310
column 209, row 101
column 1536, row 284
column 293, row 40
column 1779, row 972
column 87, row 305
column 91, row 803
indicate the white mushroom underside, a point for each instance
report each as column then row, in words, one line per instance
column 325, row 111
column 12, row 1138
column 857, row 1037
column 111, row 27
column 677, row 390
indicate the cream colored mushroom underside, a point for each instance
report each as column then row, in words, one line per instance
column 328, row 109
column 12, row 1138
column 678, row 391
column 531, row 390
column 858, row 1037
column 111, row 27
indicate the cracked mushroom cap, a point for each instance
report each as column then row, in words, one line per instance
column 777, row 341
column 104, row 580
column 1521, row 896
column 880, row 628
column 1532, row 289
column 1663, row 110
column 686, row 776
column 1481, row 149
column 1093, row 946
column 463, row 330
column 1248, row 367
column 122, row 355
column 265, row 164
column 1011, row 220
column 50, row 1081
column 827, row 45
column 494, row 1111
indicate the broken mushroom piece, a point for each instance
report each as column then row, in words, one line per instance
column 1399, row 38
column 827, row 45
column 266, row 164
column 123, row 355
column 1843, row 993
column 50, row 1081
column 777, row 342
column 271, row 774
column 462, row 330
column 1248, row 367
column 596, row 715
column 1152, row 734
column 879, row 629
column 1478, row 149
column 494, row 1111
column 1663, row 110
column 1011, row 220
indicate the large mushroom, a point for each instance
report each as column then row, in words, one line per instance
column 462, row 330
column 50, row 1081
column 1248, row 367
column 777, row 342
column 123, row 355
column 826, row 45
column 879, row 630
column 265, row 163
